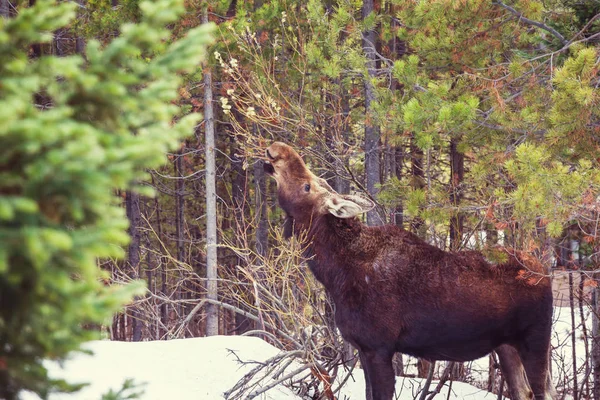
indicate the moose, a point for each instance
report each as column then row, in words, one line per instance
column 394, row 292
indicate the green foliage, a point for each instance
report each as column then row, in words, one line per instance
column 545, row 188
column 576, row 103
column 111, row 117
column 100, row 20
column 128, row 391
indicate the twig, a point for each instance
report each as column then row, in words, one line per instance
column 532, row 22
column 273, row 361
column 443, row 380
column 231, row 308
column 278, row 381
column 259, row 332
column 427, row 385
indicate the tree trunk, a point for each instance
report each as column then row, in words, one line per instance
column 239, row 191
column 36, row 48
column 164, row 306
column 153, row 332
column 398, row 154
column 457, row 174
column 212, row 312
column 423, row 368
column 132, row 207
column 372, row 134
column 585, row 335
column 80, row 40
column 418, row 179
column 179, row 225
column 573, row 335
column 4, row 8
column 262, row 225
column 596, row 344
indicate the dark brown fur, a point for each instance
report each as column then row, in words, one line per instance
column 396, row 293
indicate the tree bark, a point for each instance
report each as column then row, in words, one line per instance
column 573, row 335
column 596, row 344
column 212, row 312
column 398, row 154
column 418, row 179
column 179, row 222
column 585, row 335
column 262, row 226
column 80, row 40
column 457, row 174
column 132, row 207
column 4, row 9
column 372, row 133
column 164, row 306
column 239, row 190
column 150, row 268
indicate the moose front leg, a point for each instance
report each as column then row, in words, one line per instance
column 363, row 364
column 379, row 374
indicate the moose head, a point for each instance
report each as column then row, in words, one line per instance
column 303, row 195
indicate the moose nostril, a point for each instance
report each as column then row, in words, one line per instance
column 269, row 155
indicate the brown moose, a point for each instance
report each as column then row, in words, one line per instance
column 394, row 292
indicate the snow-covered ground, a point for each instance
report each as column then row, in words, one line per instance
column 200, row 369
column 205, row 368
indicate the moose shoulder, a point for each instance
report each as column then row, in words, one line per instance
column 396, row 293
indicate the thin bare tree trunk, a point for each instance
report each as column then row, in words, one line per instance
column 397, row 163
column 585, row 336
column 150, row 277
column 372, row 133
column 80, row 40
column 162, row 267
column 262, row 229
column 457, row 174
column 179, row 224
column 212, row 311
column 418, row 182
column 239, row 190
column 262, row 226
column 132, row 207
column 418, row 178
column 573, row 335
column 596, row 344
column 4, row 9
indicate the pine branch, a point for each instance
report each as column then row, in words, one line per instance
column 528, row 21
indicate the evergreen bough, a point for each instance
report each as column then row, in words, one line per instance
column 111, row 117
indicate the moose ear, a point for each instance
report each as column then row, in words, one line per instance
column 348, row 206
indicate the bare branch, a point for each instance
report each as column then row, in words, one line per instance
column 532, row 22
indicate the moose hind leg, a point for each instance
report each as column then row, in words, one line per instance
column 514, row 373
column 535, row 355
column 550, row 389
column 380, row 373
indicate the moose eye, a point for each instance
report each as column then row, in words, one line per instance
column 307, row 188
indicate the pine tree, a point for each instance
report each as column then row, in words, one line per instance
column 110, row 117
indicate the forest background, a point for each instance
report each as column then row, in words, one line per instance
column 472, row 123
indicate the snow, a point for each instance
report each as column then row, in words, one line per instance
column 200, row 368
column 205, row 368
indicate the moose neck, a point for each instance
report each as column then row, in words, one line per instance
column 331, row 253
